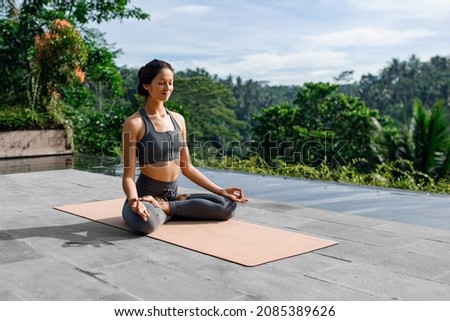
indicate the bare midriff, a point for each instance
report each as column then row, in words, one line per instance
column 166, row 171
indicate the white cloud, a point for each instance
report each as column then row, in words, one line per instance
column 283, row 41
column 279, row 68
column 192, row 9
column 407, row 9
column 369, row 37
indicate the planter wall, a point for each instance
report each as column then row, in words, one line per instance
column 26, row 143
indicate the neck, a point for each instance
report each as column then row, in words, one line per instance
column 153, row 107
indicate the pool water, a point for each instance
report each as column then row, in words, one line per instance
column 104, row 165
column 425, row 209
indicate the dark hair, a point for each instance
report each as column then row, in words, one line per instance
column 148, row 72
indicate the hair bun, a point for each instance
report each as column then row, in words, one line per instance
column 148, row 72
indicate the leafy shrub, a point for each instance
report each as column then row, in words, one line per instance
column 399, row 174
column 98, row 133
column 60, row 53
column 23, row 118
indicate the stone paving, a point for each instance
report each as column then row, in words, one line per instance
column 46, row 254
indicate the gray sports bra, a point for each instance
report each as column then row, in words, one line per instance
column 158, row 147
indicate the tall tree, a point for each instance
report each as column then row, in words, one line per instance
column 211, row 124
column 394, row 89
column 322, row 125
column 424, row 140
column 19, row 25
column 252, row 96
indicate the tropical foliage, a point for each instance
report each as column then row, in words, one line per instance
column 424, row 141
column 395, row 88
column 388, row 129
column 320, row 127
column 63, row 68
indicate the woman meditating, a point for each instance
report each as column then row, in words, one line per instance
column 156, row 138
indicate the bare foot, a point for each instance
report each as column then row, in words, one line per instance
column 163, row 204
column 182, row 197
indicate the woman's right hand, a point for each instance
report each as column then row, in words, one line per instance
column 139, row 208
column 234, row 193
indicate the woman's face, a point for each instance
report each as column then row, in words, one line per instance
column 162, row 85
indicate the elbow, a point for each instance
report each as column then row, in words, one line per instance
column 184, row 171
column 186, row 168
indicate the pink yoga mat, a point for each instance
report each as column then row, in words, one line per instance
column 234, row 240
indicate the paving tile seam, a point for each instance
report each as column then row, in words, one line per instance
column 443, row 234
column 424, row 255
column 348, row 224
column 400, row 276
column 337, row 238
column 99, row 268
column 417, row 277
column 399, row 271
column 440, row 275
column 272, row 225
column 342, row 286
column 87, row 273
column 90, row 275
column 339, row 215
column 41, row 255
column 430, row 280
column 73, row 267
column 332, row 257
column 240, row 291
column 434, row 240
column 372, row 228
column 10, row 290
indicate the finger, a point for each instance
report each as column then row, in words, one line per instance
column 242, row 200
column 237, row 191
column 238, row 199
column 143, row 215
column 144, row 212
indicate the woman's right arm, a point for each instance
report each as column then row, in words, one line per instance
column 130, row 133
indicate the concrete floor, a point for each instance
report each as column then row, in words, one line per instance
column 49, row 255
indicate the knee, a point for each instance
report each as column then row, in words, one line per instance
column 136, row 223
column 230, row 209
column 227, row 216
column 144, row 229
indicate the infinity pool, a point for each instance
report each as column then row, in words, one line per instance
column 431, row 210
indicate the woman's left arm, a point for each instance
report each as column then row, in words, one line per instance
column 197, row 177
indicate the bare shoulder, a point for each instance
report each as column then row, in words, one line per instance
column 179, row 118
column 133, row 124
column 135, row 120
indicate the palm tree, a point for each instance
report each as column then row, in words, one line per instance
column 431, row 137
column 424, row 141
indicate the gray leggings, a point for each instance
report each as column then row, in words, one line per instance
column 199, row 206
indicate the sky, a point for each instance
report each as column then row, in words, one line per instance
column 283, row 42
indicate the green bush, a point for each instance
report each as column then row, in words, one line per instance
column 98, row 133
column 23, row 118
column 399, row 174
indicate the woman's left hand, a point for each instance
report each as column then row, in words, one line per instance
column 234, row 193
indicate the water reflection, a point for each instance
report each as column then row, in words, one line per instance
column 95, row 164
column 98, row 164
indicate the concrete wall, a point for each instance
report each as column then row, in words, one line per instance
column 25, row 143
